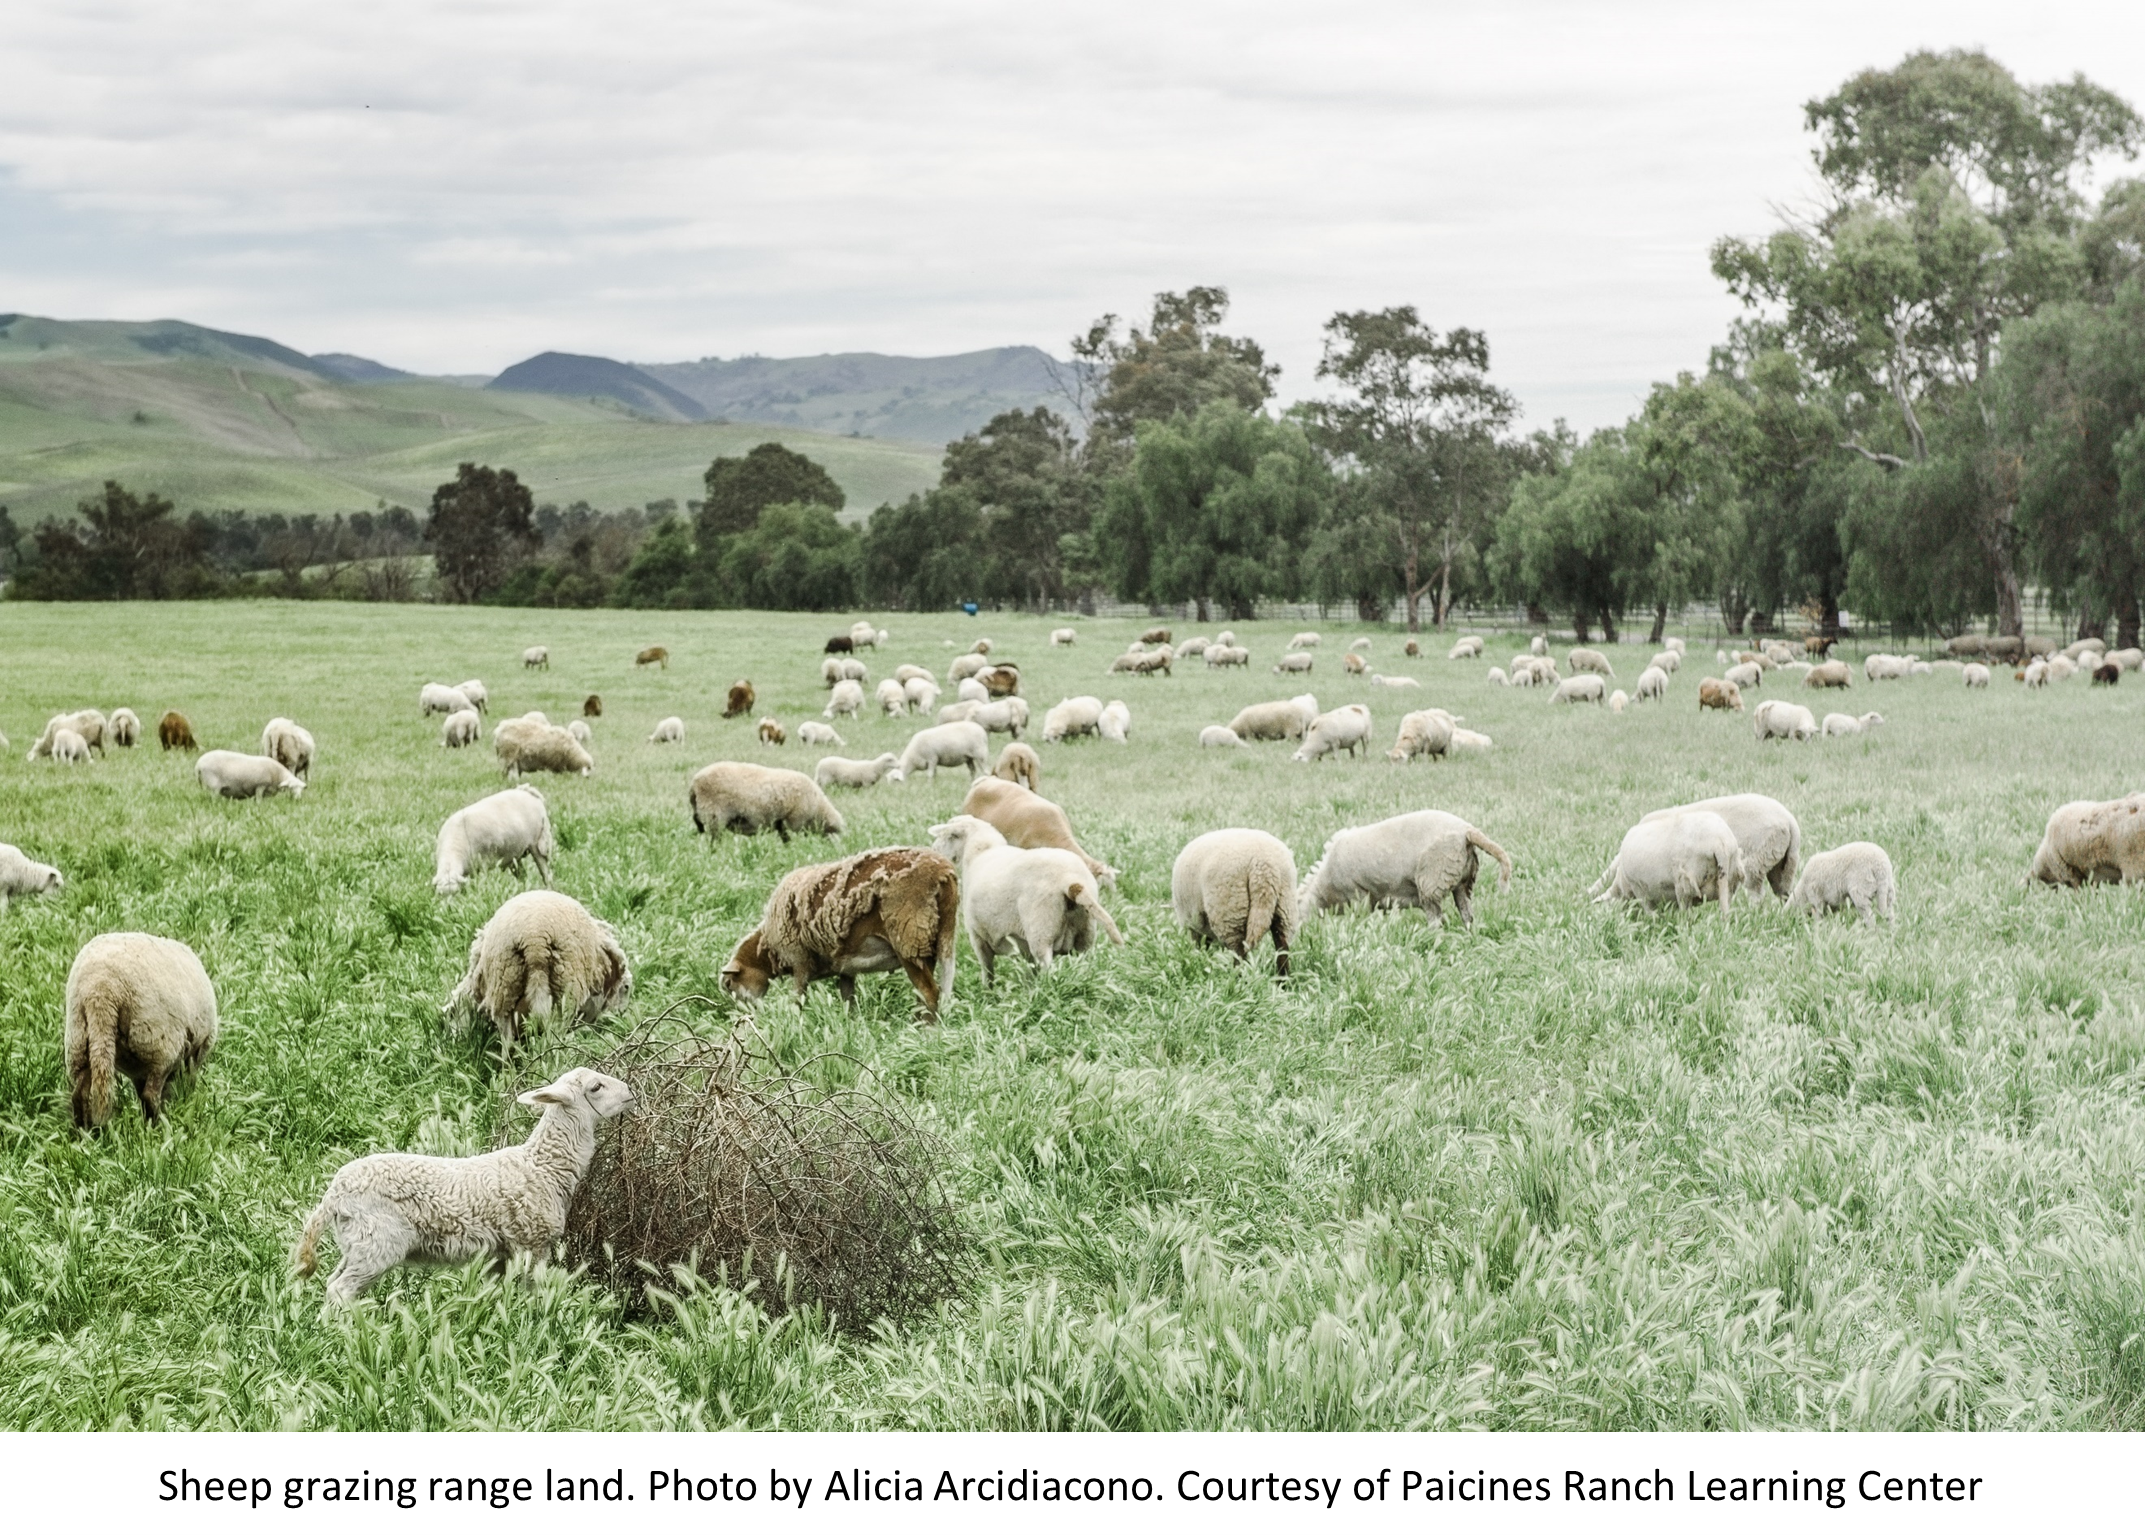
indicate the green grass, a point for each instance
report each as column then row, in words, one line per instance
column 1575, row 1168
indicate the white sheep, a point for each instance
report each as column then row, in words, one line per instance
column 288, row 742
column 1195, row 646
column 1235, row 887
column 1880, row 667
column 862, row 634
column 1037, row 902
column 537, row 658
column 540, row 951
column 1226, row 637
column 1858, row 875
column 21, row 874
column 1377, row 681
column 2060, row 669
column 1284, row 719
column 1307, row 640
column 906, row 673
column 1466, row 648
column 849, row 773
column 1586, row 689
column 2037, row 675
column 139, row 1005
column 1652, row 683
column 68, row 748
column 1007, row 716
column 438, row 698
column 1114, row 724
column 1583, row 660
column 847, row 701
column 1344, row 729
column 87, row 723
column 1471, row 740
column 1497, row 678
column 1064, row 636
column 234, row 775
column 501, row 829
column 1219, row 655
column 955, row 713
column 125, row 727
column 670, row 730
column 1685, row 858
column 1673, row 642
column 460, row 729
column 1417, row 859
column 818, row 733
column 1849, row 725
column 1974, row 674
column 961, row 744
column 893, row 698
column 393, row 1207
column 1219, row 735
column 1073, row 717
column 1294, row 661
column 922, row 693
column 1619, row 701
column 1667, row 661
column 967, row 666
column 1766, row 832
column 478, row 695
column 970, row 691
column 1425, row 733
column 1746, row 675
column 1539, row 645
column 747, row 798
column 578, row 729
column 839, row 669
column 1777, row 719
column 523, row 746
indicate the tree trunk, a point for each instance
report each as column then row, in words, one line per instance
column 1828, row 618
column 2126, row 621
column 1413, row 589
column 1608, row 626
column 1660, row 624
column 1202, row 610
column 2010, row 613
column 1370, row 610
column 1537, row 614
column 2090, row 627
column 1579, row 625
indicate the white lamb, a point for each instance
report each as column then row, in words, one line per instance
column 669, row 731
column 1064, row 636
column 1073, row 717
column 1294, row 661
column 1344, row 729
column 1114, row 724
column 907, row 673
column 578, row 729
column 2037, row 675
column 1619, row 701
column 963, row 744
column 1036, row 902
column 234, row 775
column 1652, row 683
column 1377, row 681
column 1425, row 733
column 438, row 698
column 1219, row 735
column 462, row 728
column 1745, row 675
column 288, row 742
column 1668, row 661
column 125, row 728
column 393, row 1207
column 1974, row 674
column 922, row 693
column 838, row 669
column 1685, row 858
column 1465, row 649
column 22, row 875
column 1586, row 689
column 893, row 698
column 849, row 773
column 846, row 703
column 500, row 829
column 1471, row 740
column 537, row 658
column 1408, row 860
column 1849, row 725
column 1007, row 716
column 1858, row 875
column 967, row 666
column 1497, row 677
column 68, row 747
column 819, row 733
column 970, row 691
column 1777, row 719
column 476, row 692
column 1307, row 640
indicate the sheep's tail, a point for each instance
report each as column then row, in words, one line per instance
column 1504, row 859
column 949, row 925
column 305, row 1257
column 1263, row 903
column 1080, row 895
column 100, row 1049
column 536, row 983
column 1600, row 888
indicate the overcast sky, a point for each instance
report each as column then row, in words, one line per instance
column 452, row 187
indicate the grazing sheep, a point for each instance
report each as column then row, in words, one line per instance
column 1417, row 859
column 2093, row 842
column 1652, row 683
column 1155, row 637
column 969, row 691
column 842, row 669
column 746, row 798
column 2060, row 669
column 1114, row 724
column 2108, row 674
column 86, row 723
column 885, row 910
column 2076, row 650
column 1817, row 644
column 174, row 731
column 479, row 696
column 1283, row 720
column 815, row 733
column 846, row 702
column 1035, row 902
column 1779, row 652
column 654, row 655
column 234, row 775
column 1466, row 648
column 1579, row 690
column 499, row 830
column 1377, row 681
column 961, row 744
column 1064, row 636
column 1618, row 701
column 592, row 707
column 536, row 658
column 541, row 950
column 980, row 648
column 2035, row 675
column 1746, row 674
column 1713, row 693
column 772, row 734
column 1294, row 661
column 1411, row 648
column 125, row 727
column 966, row 666
column 524, row 746
column 1019, row 764
column 1777, row 719
column 1858, row 875
column 1673, row 642
column 1685, row 857
column 922, row 694
column 906, row 674
column 1007, row 716
column 1539, row 645
column 1344, row 729
column 849, row 773
column 1667, row 661
column 1879, row 667
column 742, row 697
column 1974, row 675
column 437, row 698
column 1584, row 660
column 1497, row 678
column 1025, row 819
column 68, row 748
column 1235, row 887
column 289, row 743
column 1766, row 831
column 579, row 730
column 1219, row 655
column 459, row 730
column 1354, row 665
column 1849, row 725
column 840, row 645
column 1073, row 717
column 1425, row 733
column 22, row 875
column 1304, row 641
column 668, row 731
column 862, row 634
column 1755, row 658
column 140, row 1005
column 1833, row 674
column 1226, row 637
column 1219, row 735
column 964, row 710
column 1195, row 646
column 892, row 698
column 393, row 1208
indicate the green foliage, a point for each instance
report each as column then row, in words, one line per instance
column 1177, row 366
column 661, row 573
column 739, row 489
column 120, row 546
column 795, row 557
column 926, row 553
column 481, row 528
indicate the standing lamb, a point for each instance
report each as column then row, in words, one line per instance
column 476, row 692
column 1974, row 675
column 1686, row 858
column 668, row 731
column 1019, row 764
column 68, row 748
column 1035, row 902
column 540, row 951
column 1235, row 887
column 291, row 744
column 1584, row 660
column 23, row 875
column 1587, row 689
column 888, row 909
column 234, row 775
column 86, row 723
column 125, row 727
column 459, row 730
column 922, row 693
column 1114, row 724
column 1832, row 674
column 536, row 658
column 961, row 744
column 1294, row 661
column 772, row 734
column 1466, row 648
column 846, row 702
column 500, row 829
column 1858, row 875
column 1417, row 859
column 819, row 733
column 141, row 1005
column 893, row 698
column 1344, row 729
column 1652, row 683
column 746, row 798
column 1748, row 674
column 849, row 773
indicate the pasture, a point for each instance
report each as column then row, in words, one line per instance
column 1575, row 1168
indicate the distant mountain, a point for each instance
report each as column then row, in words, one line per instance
column 356, row 370
column 142, row 340
column 599, row 378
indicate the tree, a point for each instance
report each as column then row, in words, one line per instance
column 1569, row 538
column 739, row 489
column 1179, row 364
column 796, row 556
column 480, row 528
column 1420, row 425
column 925, row 553
column 661, row 571
column 1023, row 474
column 118, row 546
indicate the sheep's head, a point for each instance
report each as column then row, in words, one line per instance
column 954, row 840
column 747, row 974
column 1872, row 718
column 604, row 1097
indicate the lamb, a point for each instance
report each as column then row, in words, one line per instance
column 2060, row 669
column 846, row 702
column 816, row 733
column 1294, row 661
column 1304, row 641
column 1218, row 656
column 68, row 748
column 1776, row 718
column 125, row 727
column 889, row 909
column 893, row 698
column 2035, row 675
column 1497, row 678
column 1195, row 646
column 2092, row 842
column 1849, row 725
column 579, row 730
column 1879, row 667
column 478, row 695
column 1219, row 735
column 1832, row 674
column 1747, row 674
column 1026, row 820
column 1115, row 722
column 966, row 666
column 289, row 743
column 962, row 743
column 437, row 698
column 771, row 733
column 1858, row 875
column 849, row 773
column 1669, row 661
column 174, row 731
column 1008, row 716
column 1687, row 857
column 524, row 746
column 1283, row 720
column 1574, row 690
column 1235, row 887
column 1539, row 645
column 499, row 830
column 1713, row 693
column 592, row 707
column 1344, row 729
column 1974, row 675
column 1618, row 701
column 1673, row 642
column 1652, row 683
column 541, row 950
column 922, row 693
column 1377, row 681
column 141, row 1005
column 654, row 655
column 670, row 730
column 1073, row 717
column 462, row 729
column 1064, row 636
column 1425, row 733
column 1415, row 859
column 234, row 775
column 1019, row 764
column 1155, row 637
column 740, row 700
column 862, row 634
column 1766, row 832
column 536, row 658
column 1779, row 652
column 1354, row 665
column 1411, row 648
column 1466, row 648
column 970, row 691
column 1032, row 901
column 393, row 1208
column 22, row 875
column 86, row 723
column 746, row 798
column 842, row 669
column 2108, row 674
column 1584, row 660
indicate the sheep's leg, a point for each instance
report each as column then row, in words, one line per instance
column 986, row 956
column 782, row 831
column 1280, row 950
column 368, row 1248
column 926, row 985
column 1463, row 902
column 149, row 1088
column 847, row 986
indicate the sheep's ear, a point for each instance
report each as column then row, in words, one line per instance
column 542, row 1095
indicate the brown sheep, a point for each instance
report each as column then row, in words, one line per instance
column 1019, row 764
column 173, row 730
column 1832, row 674
column 1412, row 648
column 654, row 655
column 1716, row 694
column 772, row 733
column 1818, row 644
column 1026, row 819
column 2107, row 675
column 1354, row 664
column 742, row 698
column 841, row 645
column 2093, row 842
column 1001, row 681
column 1155, row 637
column 891, row 908
column 592, row 707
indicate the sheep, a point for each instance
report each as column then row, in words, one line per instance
column 816, row 733
column 2092, row 842
column 291, row 744
column 922, row 694
column 746, row 798
column 1064, row 636
column 772, row 734
column 1150, row 663
column 1235, row 887
column 849, row 773
column 1195, row 646
column 1219, row 735
column 905, row 674
column 1619, row 701
column 970, row 691
column 479, row 696
column 1667, row 662
column 1032, row 901
column 980, row 648
column 1858, row 874
column 1880, row 667
column 1779, row 652
column 2108, row 674
column 1019, row 764
column 68, row 748
column 1816, row 644
column 1073, row 717
column 125, row 727
column 888, row 909
column 394, row 1207
column 1294, row 661
column 592, row 707
column 1713, row 693
column 1746, row 674
column 1776, row 718
column 1354, row 665
column 140, row 1005
column 2076, row 650
column 1757, row 658
column 862, row 634
column 846, row 702
column 1025, row 819
column 437, row 698
column 1673, row 642
column 1218, row 656
column 954, row 713
column 1130, row 661
column 1425, row 733
column 541, row 950
column 1007, row 716
column 1798, row 669
column 1539, row 645
column 1575, row 690
column 1975, row 675
column 22, row 875
column 1411, row 648
column 462, row 729
column 839, row 645
column 536, row 658
column 893, row 699
column 1686, row 857
column 1307, row 640
column 1377, row 681
column 1466, row 648
column 1497, row 678
column 1155, row 637
column 1283, row 720
column 2060, row 669
column 1849, row 725
column 1833, row 674
column 1226, row 637
column 740, row 700
column 1584, row 660
column 961, row 744
column 2035, row 676
column 234, row 775
column 670, row 730
column 966, row 666
column 174, row 732
column 1415, row 859
column 499, row 830
column 86, row 723
column 579, row 730
column 654, row 655
column 1114, row 724
column 1652, row 683
column 1344, row 729
column 1765, row 830
column 1917, row 669
column 842, row 669
column 526, row 747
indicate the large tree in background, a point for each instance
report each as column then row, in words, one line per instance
column 481, row 528
column 1023, row 472
column 1420, row 426
column 1179, row 363
column 739, row 489
column 118, row 546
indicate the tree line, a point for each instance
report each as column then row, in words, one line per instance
column 1933, row 401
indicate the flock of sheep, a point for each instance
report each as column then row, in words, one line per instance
column 1007, row 869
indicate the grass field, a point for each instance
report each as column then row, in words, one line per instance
column 1574, row 1168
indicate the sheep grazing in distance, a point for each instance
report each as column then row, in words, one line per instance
column 1777, row 719
column 1652, row 683
column 1354, row 665
column 1283, row 720
column 862, row 634
column 818, row 733
column 1307, row 640
column 1064, row 636
column 524, row 746
column 1195, row 646
column 1155, row 637
column 922, row 692
column 579, row 730
column 980, row 648
column 86, row 723
column 1466, row 648
column 1849, row 725
column 1766, row 832
column 592, row 707
column 1425, row 733
column 1618, row 701
column 2107, row 675
column 1685, row 859
column 1072, row 717
column 966, row 666
column 1294, row 661
column 1419, row 859
column 1879, row 667
column 741, row 699
column 892, row 697
column 668, row 731
column 1673, row 642
column 68, row 748
column 842, row 669
column 536, row 658
column 1235, row 887
column 1219, row 735
column 459, row 730
column 2035, row 676
column 437, row 698
column 499, row 831
column 235, row 775
column 174, row 732
column 2092, row 842
column 1147, row 664
column 1218, row 656
column 1412, row 648
column 654, row 655
column 21, row 874
column 139, row 1005
column 541, row 951
column 1713, row 693
column 1858, row 875
column 1779, row 652
column 772, row 734
column 1975, row 675
column 1114, row 724
column 2060, row 669
column 1035, row 902
column 840, row 645
column 970, row 691
column 1497, row 678
column 1025, row 819
column 849, row 773
column 393, row 1208
column 1747, row 674
column 886, row 910
column 1003, row 680
column 1019, row 764
column 1344, row 729
column 1588, row 689
column 1226, row 637
column 845, row 702
column 1539, row 645
column 1377, row 681
column 1668, row 661
column 746, row 798
column 125, row 727
column 288, row 742
column 1757, row 658
column 478, row 695
column 1584, row 660
column 1833, row 674
column 2130, row 660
